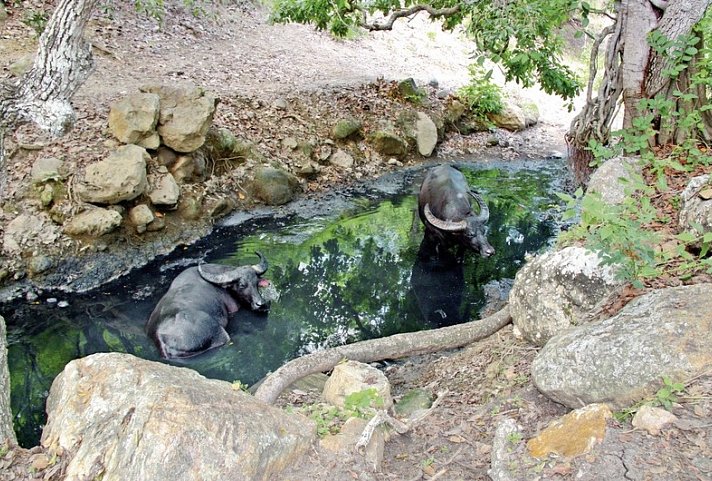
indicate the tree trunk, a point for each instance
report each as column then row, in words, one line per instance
column 392, row 347
column 639, row 19
column 7, row 433
column 62, row 64
column 635, row 70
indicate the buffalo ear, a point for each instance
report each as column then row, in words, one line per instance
column 446, row 225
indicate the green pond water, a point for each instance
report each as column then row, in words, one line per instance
column 342, row 277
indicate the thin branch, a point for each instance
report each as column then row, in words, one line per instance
column 407, row 12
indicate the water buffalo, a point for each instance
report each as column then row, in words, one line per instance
column 191, row 317
column 444, row 207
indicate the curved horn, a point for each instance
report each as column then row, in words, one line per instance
column 260, row 268
column 225, row 277
column 484, row 210
column 446, row 225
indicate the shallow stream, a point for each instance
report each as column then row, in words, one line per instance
column 345, row 268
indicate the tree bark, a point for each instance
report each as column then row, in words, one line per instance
column 392, row 347
column 62, row 64
column 639, row 19
column 679, row 18
column 635, row 70
column 7, row 432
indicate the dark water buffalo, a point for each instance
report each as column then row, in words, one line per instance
column 445, row 209
column 191, row 317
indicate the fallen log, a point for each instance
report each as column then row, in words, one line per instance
column 391, row 347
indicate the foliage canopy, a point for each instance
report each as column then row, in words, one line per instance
column 523, row 36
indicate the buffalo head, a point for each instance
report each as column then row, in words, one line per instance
column 241, row 282
column 446, row 210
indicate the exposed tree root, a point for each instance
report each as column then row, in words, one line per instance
column 392, row 347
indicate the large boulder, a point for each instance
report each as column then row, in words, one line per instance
column 94, row 222
column 510, row 118
column 164, row 189
column 388, row 143
column 120, row 417
column 426, row 135
column 186, row 116
column 121, row 176
column 274, row 186
column 351, row 377
column 696, row 209
column 27, row 231
column 623, row 359
column 557, row 290
column 133, row 119
column 605, row 180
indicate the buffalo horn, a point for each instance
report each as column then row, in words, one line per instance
column 260, row 268
column 230, row 276
column 484, row 210
column 446, row 225
column 222, row 278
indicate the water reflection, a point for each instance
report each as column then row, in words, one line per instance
column 438, row 283
column 361, row 275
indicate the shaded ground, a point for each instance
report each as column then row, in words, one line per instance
column 251, row 64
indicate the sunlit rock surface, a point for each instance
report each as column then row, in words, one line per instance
column 623, row 359
column 556, row 290
column 121, row 176
column 121, row 418
column 573, row 434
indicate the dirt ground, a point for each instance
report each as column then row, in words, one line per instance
column 250, row 64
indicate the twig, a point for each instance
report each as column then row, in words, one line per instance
column 382, row 417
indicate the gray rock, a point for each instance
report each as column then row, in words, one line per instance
column 605, row 179
column 47, row 168
column 504, row 459
column 27, row 231
column 414, row 401
column 623, row 359
column 345, row 442
column 556, row 290
column 426, row 135
column 39, row 264
column 696, row 206
column 166, row 156
column 341, row 159
column 345, row 128
column 140, row 216
column 409, row 89
column 186, row 115
column 93, row 222
column 388, row 143
column 274, row 186
column 351, row 377
column 280, row 104
column 123, row 418
column 133, row 119
column 122, row 176
column 531, row 113
column 510, row 118
column 164, row 190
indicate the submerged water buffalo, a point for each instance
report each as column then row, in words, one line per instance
column 438, row 282
column 445, row 209
column 191, row 317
